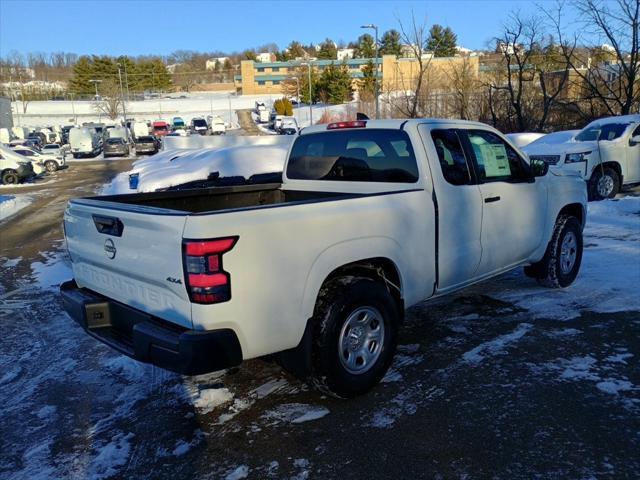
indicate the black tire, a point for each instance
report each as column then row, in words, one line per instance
column 51, row 166
column 337, row 302
column 10, row 177
column 604, row 183
column 76, row 155
column 556, row 270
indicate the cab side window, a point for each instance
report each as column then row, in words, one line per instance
column 496, row 161
column 453, row 161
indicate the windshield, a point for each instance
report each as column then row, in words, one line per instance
column 51, row 147
column 114, row 141
column 199, row 123
column 366, row 155
column 599, row 131
column 145, row 139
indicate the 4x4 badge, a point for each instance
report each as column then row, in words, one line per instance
column 174, row 280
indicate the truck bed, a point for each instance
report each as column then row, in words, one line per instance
column 221, row 198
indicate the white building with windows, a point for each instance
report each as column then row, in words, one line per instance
column 345, row 54
column 212, row 62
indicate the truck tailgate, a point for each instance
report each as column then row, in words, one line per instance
column 132, row 255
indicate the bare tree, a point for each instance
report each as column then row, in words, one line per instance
column 614, row 82
column 112, row 102
column 415, row 36
column 464, row 84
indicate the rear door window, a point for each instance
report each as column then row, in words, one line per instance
column 453, row 161
column 365, row 155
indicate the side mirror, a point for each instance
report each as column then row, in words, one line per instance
column 538, row 168
column 633, row 141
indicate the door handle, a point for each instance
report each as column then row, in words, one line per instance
column 491, row 199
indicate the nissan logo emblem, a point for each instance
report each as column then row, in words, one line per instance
column 109, row 248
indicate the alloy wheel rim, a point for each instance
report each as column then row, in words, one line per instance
column 361, row 339
column 568, row 253
column 605, row 186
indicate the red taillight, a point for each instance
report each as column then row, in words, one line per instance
column 352, row 124
column 206, row 280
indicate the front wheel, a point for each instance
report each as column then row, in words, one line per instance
column 355, row 334
column 561, row 262
column 51, row 166
column 10, row 177
column 604, row 183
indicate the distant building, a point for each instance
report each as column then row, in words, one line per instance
column 212, row 62
column 171, row 68
column 6, row 116
column 345, row 54
column 393, row 73
column 266, row 57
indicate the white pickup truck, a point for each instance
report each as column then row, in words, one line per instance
column 371, row 218
column 606, row 153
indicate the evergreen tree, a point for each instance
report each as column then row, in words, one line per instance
column 82, row 73
column 367, row 84
column 295, row 50
column 328, row 50
column 366, row 47
column 335, row 84
column 391, row 43
column 442, row 41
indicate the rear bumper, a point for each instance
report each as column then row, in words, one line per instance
column 149, row 339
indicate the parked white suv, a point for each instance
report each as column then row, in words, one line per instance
column 606, row 153
column 14, row 168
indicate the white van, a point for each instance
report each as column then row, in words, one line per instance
column 84, row 142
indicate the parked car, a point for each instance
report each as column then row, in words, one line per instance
column 218, row 127
column 14, row 168
column 178, row 124
column 606, row 153
column 33, row 142
column 288, row 126
column 160, row 129
column 116, row 147
column 54, row 156
column 199, row 126
column 386, row 213
column 524, row 138
column 84, row 142
column 148, row 145
column 139, row 129
column 36, row 158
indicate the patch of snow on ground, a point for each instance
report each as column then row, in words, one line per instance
column 296, row 413
column 238, row 473
column 111, row 456
column 52, row 272
column 497, row 345
column 11, row 204
column 614, row 386
column 210, row 398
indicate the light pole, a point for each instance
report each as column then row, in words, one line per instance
column 308, row 64
column 297, row 90
column 96, row 82
column 124, row 108
column 375, row 27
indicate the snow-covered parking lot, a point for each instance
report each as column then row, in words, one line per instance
column 504, row 379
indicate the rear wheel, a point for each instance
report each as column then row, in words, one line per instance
column 51, row 166
column 354, row 338
column 604, row 183
column 10, row 177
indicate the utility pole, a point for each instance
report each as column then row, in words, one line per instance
column 377, row 93
column 310, row 93
column 124, row 108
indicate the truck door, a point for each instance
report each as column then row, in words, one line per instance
column 633, row 158
column 459, row 207
column 514, row 204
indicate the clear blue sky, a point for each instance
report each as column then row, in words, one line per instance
column 136, row 27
